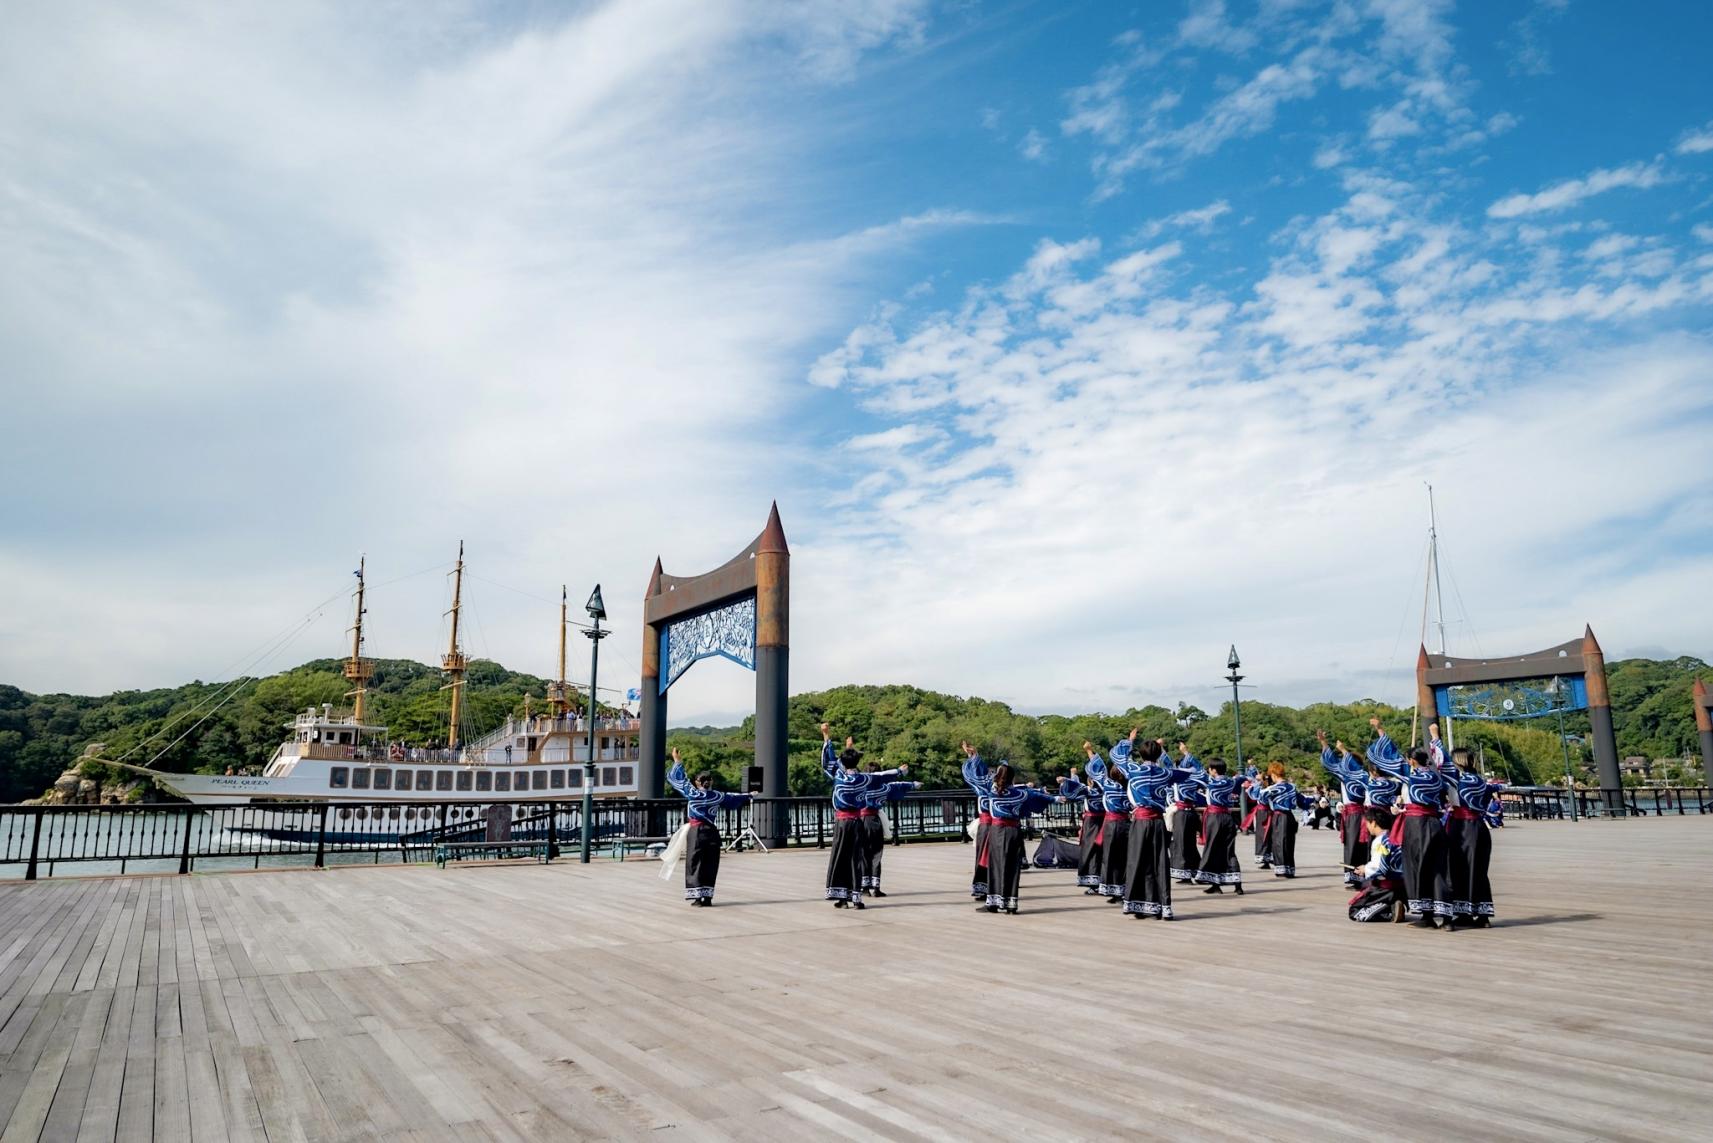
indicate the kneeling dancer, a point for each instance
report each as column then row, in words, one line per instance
column 702, row 848
column 1008, row 805
column 1382, row 896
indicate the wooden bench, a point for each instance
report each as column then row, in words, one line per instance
column 498, row 850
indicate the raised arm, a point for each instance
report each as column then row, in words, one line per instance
column 676, row 778
column 1384, row 753
column 733, row 801
column 829, row 756
column 1034, row 801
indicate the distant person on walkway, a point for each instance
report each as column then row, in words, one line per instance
column 702, row 845
column 875, row 800
column 977, row 778
column 1088, row 841
column 848, row 861
column 1427, row 881
column 1219, row 841
column 1469, row 844
column 1008, row 805
column 1115, row 828
column 1321, row 810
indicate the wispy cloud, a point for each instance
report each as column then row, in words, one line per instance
column 1640, row 176
column 1696, row 142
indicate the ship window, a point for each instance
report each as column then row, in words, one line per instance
column 541, row 779
column 558, row 779
column 503, row 783
column 463, row 779
column 627, row 775
column 363, row 813
column 576, row 779
column 345, row 814
column 609, row 776
column 383, row 778
column 392, row 812
column 360, row 780
column 484, row 781
column 443, row 780
column 425, row 779
column 410, row 813
column 340, row 777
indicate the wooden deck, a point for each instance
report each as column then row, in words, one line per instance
column 558, row 1002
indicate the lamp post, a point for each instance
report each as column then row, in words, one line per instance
column 597, row 611
column 1234, row 678
column 1557, row 689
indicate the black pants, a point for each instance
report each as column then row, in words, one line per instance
column 1469, row 852
column 1377, row 901
column 1186, row 857
column 1112, row 859
column 1427, row 880
column 979, row 880
column 874, row 846
column 1263, row 816
column 1148, row 878
column 1282, row 843
column 848, row 861
column 1088, row 857
column 1357, row 849
column 701, row 862
column 1219, row 851
column 1004, row 864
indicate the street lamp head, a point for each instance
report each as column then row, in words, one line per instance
column 596, row 609
column 1232, row 660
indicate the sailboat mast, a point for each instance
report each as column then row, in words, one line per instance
column 357, row 668
column 453, row 662
column 1438, row 594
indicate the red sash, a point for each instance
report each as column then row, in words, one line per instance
column 1141, row 815
column 846, row 816
column 868, row 813
column 1464, row 814
column 1217, row 809
column 1003, row 823
column 1352, row 810
column 1183, row 805
column 1415, row 811
column 984, row 819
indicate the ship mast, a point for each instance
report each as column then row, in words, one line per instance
column 453, row 662
column 559, row 692
column 358, row 669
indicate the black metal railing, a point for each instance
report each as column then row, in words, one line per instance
column 42, row 841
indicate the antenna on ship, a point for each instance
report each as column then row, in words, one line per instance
column 358, row 669
column 1438, row 599
column 453, row 662
column 558, row 691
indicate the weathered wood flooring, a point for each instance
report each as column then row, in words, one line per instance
column 561, row 1002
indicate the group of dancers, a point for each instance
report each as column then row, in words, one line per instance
column 1149, row 822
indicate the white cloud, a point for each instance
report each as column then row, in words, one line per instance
column 1153, row 469
column 1641, row 176
column 288, row 283
column 1200, row 220
column 1696, row 142
column 1034, row 146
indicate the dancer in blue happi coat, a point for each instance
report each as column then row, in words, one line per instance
column 847, row 862
column 977, row 778
column 1382, row 876
column 1088, row 841
column 1008, row 805
column 1115, row 825
column 1188, row 799
column 1148, row 780
column 1352, row 804
column 1281, row 797
column 875, row 800
column 1469, row 844
column 1427, row 878
column 702, row 848
column 1219, row 843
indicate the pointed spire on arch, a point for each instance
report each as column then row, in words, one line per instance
column 654, row 580
column 1590, row 645
column 772, row 538
column 1422, row 658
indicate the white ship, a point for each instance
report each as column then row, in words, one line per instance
column 344, row 758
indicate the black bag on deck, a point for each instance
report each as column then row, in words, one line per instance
column 1056, row 853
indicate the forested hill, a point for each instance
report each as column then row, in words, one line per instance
column 189, row 728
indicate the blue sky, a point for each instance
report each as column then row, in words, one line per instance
column 1076, row 341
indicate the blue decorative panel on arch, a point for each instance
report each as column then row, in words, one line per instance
column 1500, row 701
column 727, row 631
